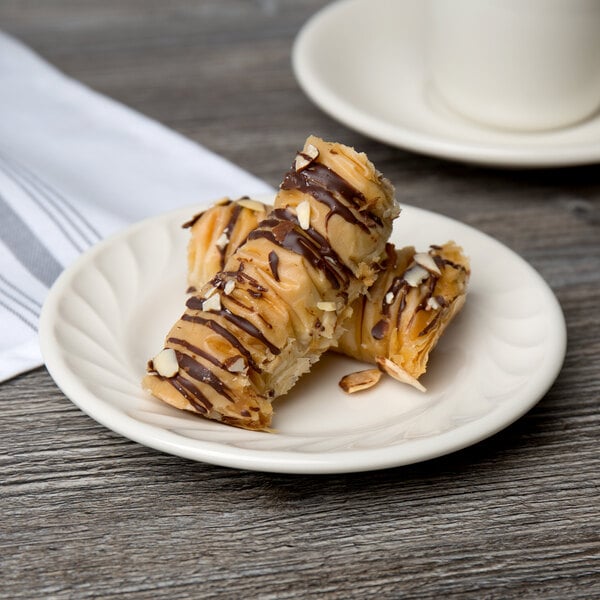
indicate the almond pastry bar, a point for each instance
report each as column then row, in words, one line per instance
column 281, row 298
column 396, row 325
column 401, row 319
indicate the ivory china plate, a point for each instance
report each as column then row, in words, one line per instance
column 363, row 63
column 108, row 314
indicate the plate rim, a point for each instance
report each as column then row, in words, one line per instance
column 284, row 461
column 340, row 109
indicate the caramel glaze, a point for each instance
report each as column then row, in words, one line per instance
column 240, row 276
column 282, row 229
column 201, row 373
column 224, row 333
column 235, row 213
column 245, row 325
column 326, row 186
column 253, row 288
column 193, row 220
column 399, row 288
column 441, row 262
column 197, row 351
column 191, row 393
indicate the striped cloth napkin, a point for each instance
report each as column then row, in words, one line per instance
column 75, row 166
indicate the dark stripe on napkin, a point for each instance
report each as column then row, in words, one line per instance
column 20, row 293
column 41, row 204
column 18, row 315
column 18, row 305
column 26, row 247
column 42, row 192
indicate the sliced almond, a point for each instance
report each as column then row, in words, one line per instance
column 303, row 212
column 237, row 366
column 229, row 287
column 301, row 162
column 426, row 261
column 304, row 158
column 415, row 276
column 212, row 303
column 252, row 204
column 432, row 304
column 311, row 151
column 222, row 241
column 222, row 201
column 398, row 373
column 327, row 306
column 360, row 380
column 211, row 290
column 165, row 363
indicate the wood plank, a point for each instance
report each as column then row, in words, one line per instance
column 87, row 513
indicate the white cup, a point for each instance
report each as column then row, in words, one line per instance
column 516, row 64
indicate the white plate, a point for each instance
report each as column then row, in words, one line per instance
column 109, row 312
column 363, row 62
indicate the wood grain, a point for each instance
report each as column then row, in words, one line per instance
column 88, row 514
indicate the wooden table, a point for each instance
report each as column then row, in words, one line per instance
column 86, row 513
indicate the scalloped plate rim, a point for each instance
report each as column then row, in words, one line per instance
column 283, row 461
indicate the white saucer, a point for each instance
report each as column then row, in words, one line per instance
column 363, row 62
column 109, row 312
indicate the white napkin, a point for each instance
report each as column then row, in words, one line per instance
column 76, row 166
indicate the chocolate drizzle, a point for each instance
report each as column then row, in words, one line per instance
column 399, row 289
column 221, row 278
column 282, row 229
column 441, row 301
column 327, row 187
column 252, row 287
column 431, row 324
column 380, row 329
column 249, row 328
column 454, row 265
column 193, row 220
column 401, row 306
column 195, row 303
column 197, row 351
column 274, row 264
column 398, row 286
column 203, row 374
column 431, row 283
column 191, row 393
column 235, row 213
column 224, row 333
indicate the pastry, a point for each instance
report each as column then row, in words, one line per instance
column 281, row 298
column 215, row 233
column 397, row 324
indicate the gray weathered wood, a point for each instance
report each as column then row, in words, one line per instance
column 86, row 513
